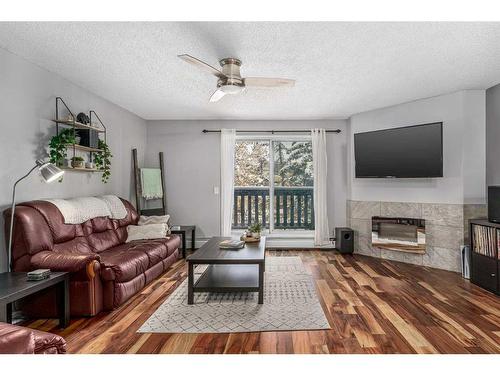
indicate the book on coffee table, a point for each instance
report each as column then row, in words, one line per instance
column 232, row 244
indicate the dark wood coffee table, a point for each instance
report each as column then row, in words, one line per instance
column 229, row 270
column 15, row 285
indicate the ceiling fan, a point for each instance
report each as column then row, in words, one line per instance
column 230, row 81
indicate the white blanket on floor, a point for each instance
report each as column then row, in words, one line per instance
column 79, row 210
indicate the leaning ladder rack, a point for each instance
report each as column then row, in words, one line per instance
column 138, row 191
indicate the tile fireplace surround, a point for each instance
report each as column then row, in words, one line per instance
column 445, row 225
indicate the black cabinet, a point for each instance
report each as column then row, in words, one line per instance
column 485, row 259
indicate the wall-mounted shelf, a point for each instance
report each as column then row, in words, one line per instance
column 90, row 170
column 83, row 148
column 73, row 124
column 79, row 125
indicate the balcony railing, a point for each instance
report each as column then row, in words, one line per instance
column 293, row 207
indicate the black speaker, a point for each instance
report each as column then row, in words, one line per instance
column 344, row 240
column 494, row 204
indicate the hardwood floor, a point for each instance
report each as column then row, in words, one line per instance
column 373, row 306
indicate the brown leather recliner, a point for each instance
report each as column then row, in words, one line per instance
column 105, row 271
column 23, row 340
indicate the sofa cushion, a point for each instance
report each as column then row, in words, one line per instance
column 126, row 261
column 173, row 242
column 121, row 264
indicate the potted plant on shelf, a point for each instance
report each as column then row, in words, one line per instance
column 77, row 162
column 102, row 160
column 58, row 146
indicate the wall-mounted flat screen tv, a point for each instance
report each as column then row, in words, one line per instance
column 406, row 152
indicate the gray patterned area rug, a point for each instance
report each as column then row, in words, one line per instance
column 290, row 304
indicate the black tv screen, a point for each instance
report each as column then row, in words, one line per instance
column 407, row 152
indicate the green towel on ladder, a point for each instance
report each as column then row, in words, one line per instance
column 151, row 183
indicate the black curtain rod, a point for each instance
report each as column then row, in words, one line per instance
column 271, row 131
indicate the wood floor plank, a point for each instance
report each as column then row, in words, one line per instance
column 487, row 341
column 372, row 324
column 140, row 342
column 450, row 324
column 179, row 343
column 409, row 332
column 435, row 293
column 365, row 339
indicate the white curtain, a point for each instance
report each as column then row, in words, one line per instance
column 227, row 143
column 321, row 231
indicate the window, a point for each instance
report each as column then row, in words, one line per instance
column 289, row 191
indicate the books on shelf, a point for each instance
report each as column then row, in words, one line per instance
column 485, row 240
column 232, row 244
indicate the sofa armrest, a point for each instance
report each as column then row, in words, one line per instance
column 48, row 343
column 23, row 340
column 16, row 340
column 65, row 261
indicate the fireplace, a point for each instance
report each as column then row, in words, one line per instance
column 399, row 234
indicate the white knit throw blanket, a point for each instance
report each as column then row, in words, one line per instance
column 79, row 210
column 115, row 205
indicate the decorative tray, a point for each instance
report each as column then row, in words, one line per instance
column 249, row 239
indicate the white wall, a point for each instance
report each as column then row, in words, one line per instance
column 493, row 135
column 27, row 104
column 192, row 163
column 463, row 117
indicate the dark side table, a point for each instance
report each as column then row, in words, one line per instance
column 15, row 285
column 182, row 230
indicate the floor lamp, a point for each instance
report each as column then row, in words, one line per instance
column 50, row 173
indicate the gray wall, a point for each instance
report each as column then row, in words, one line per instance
column 193, row 167
column 493, row 135
column 27, row 105
column 463, row 116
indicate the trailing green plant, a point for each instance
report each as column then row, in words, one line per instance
column 255, row 228
column 77, row 158
column 102, row 160
column 58, row 146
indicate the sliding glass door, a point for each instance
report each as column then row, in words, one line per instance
column 289, row 191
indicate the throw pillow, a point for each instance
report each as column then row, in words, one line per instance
column 146, row 232
column 146, row 220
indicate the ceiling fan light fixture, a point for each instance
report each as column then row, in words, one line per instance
column 231, row 89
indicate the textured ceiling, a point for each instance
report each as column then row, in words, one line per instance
column 340, row 68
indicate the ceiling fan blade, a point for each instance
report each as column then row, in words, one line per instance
column 202, row 65
column 216, row 96
column 268, row 82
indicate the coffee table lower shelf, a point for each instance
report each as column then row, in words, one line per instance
column 223, row 278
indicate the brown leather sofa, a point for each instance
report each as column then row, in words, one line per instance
column 22, row 340
column 105, row 271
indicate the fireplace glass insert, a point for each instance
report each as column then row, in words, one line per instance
column 399, row 234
